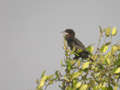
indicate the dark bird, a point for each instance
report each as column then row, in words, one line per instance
column 74, row 43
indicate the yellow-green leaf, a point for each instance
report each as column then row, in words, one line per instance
column 104, row 48
column 73, row 50
column 97, row 74
column 94, row 57
column 114, row 48
column 90, row 49
column 50, row 82
column 108, row 61
column 50, row 76
column 102, row 85
column 84, row 87
column 79, row 50
column 102, row 60
column 65, row 78
column 108, row 31
column 72, row 62
column 78, row 63
column 78, row 85
column 76, row 74
column 92, row 83
column 85, row 65
column 117, row 70
column 116, row 87
column 65, row 47
column 65, row 44
column 42, row 81
column 61, row 62
column 68, row 88
column 114, row 31
column 108, row 54
column 118, row 46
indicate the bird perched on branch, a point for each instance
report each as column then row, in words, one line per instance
column 74, row 43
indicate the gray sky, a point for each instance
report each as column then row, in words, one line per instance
column 30, row 39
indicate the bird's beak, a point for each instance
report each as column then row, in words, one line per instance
column 64, row 33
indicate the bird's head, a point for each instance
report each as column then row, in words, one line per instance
column 69, row 33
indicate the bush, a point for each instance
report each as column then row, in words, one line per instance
column 100, row 73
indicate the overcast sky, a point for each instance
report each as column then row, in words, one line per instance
column 30, row 38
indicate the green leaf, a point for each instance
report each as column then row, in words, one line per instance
column 110, row 87
column 57, row 74
column 43, row 73
column 69, row 65
column 74, row 81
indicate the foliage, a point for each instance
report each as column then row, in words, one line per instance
column 100, row 73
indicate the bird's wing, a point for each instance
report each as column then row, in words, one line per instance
column 78, row 44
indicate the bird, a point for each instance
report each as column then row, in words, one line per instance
column 74, row 43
